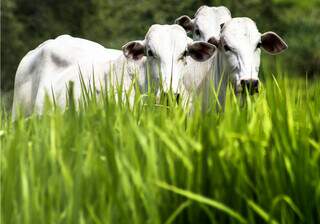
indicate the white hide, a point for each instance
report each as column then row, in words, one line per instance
column 206, row 26
column 207, row 22
column 48, row 69
column 240, row 49
column 238, row 41
column 168, row 51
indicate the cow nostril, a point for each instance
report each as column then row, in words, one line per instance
column 248, row 84
column 251, row 85
column 213, row 41
column 177, row 95
column 255, row 84
column 243, row 83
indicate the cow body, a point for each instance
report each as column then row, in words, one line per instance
column 166, row 51
column 238, row 42
column 206, row 26
column 48, row 69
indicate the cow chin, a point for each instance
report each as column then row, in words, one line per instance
column 237, row 89
column 244, row 87
column 170, row 81
column 170, row 88
column 235, row 83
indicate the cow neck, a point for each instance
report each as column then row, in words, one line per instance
column 220, row 76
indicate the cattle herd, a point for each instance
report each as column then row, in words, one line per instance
column 223, row 49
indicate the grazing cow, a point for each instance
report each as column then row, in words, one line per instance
column 207, row 22
column 240, row 50
column 47, row 70
column 206, row 26
column 238, row 43
column 166, row 50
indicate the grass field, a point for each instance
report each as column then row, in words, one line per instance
column 254, row 163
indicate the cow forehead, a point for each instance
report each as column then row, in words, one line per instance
column 166, row 38
column 240, row 31
column 210, row 15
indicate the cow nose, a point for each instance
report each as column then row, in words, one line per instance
column 252, row 85
column 177, row 95
column 213, row 41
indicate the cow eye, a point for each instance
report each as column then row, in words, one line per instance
column 226, row 48
column 197, row 32
column 150, row 53
column 259, row 45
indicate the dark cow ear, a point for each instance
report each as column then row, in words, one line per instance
column 273, row 43
column 185, row 22
column 134, row 50
column 214, row 41
column 201, row 51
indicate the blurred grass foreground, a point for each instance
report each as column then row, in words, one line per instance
column 108, row 163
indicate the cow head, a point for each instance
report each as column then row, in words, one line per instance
column 241, row 45
column 207, row 23
column 168, row 51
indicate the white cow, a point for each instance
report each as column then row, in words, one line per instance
column 206, row 26
column 240, row 51
column 207, row 22
column 238, row 41
column 173, row 57
column 48, row 69
column 166, row 50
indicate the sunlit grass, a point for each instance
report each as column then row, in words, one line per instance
column 107, row 162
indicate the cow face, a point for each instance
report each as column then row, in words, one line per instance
column 206, row 25
column 168, row 51
column 241, row 45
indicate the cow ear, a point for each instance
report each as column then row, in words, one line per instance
column 185, row 22
column 273, row 43
column 134, row 50
column 201, row 51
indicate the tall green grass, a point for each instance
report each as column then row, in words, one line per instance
column 257, row 162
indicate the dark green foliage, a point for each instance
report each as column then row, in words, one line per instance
column 12, row 46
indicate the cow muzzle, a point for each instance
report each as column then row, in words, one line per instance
column 250, row 86
column 164, row 97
